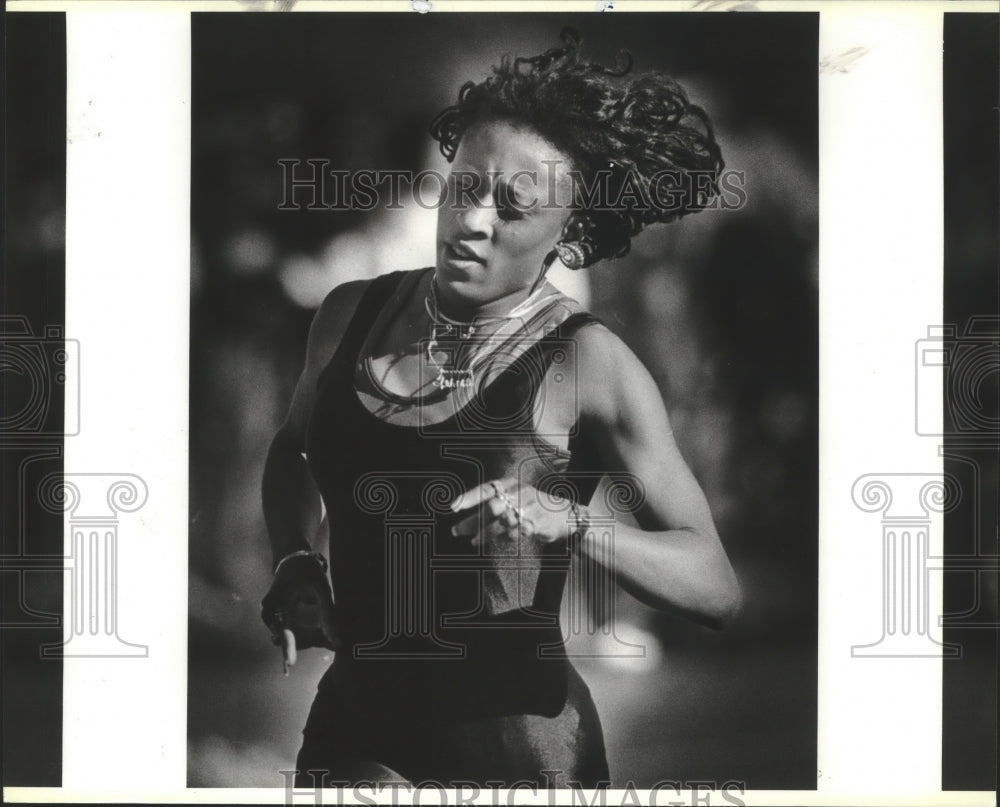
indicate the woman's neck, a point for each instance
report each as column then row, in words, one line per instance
column 464, row 312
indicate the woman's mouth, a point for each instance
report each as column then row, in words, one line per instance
column 461, row 256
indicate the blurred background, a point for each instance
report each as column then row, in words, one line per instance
column 971, row 75
column 721, row 307
column 32, row 413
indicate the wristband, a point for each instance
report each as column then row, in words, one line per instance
column 304, row 553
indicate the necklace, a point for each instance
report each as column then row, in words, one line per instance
column 463, row 336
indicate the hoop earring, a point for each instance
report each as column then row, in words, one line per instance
column 571, row 254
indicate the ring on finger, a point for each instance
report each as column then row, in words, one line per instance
column 511, row 516
column 501, row 494
column 508, row 503
column 521, row 520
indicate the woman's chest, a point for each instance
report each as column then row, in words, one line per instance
column 525, row 393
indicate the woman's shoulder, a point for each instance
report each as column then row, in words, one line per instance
column 609, row 370
column 590, row 339
column 341, row 303
column 334, row 313
column 342, row 300
column 343, row 296
column 599, row 350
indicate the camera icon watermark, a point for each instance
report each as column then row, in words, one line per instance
column 963, row 370
column 542, row 372
column 969, row 365
column 36, row 369
column 33, row 562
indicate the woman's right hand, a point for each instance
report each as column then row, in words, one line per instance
column 298, row 608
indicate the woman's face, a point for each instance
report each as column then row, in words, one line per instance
column 504, row 208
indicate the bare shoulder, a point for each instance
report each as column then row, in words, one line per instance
column 339, row 306
column 600, row 347
column 325, row 333
column 330, row 322
column 612, row 379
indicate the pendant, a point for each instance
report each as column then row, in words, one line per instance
column 453, row 379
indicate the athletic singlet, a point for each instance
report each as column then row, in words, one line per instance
column 452, row 666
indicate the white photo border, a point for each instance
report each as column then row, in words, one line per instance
column 128, row 110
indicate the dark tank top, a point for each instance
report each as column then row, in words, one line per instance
column 452, row 661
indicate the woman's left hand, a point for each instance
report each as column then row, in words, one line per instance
column 508, row 512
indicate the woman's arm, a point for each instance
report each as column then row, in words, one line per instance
column 674, row 560
column 292, row 504
column 298, row 607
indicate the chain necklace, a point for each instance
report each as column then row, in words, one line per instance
column 451, row 374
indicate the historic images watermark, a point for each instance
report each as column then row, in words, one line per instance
column 912, row 505
column 665, row 793
column 312, row 184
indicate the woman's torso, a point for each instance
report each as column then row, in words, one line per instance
column 454, row 646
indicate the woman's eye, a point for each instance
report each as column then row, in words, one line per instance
column 508, row 208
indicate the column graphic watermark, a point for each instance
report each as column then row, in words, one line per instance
column 411, row 628
column 418, row 552
column 591, row 584
column 906, row 502
column 92, row 504
column 963, row 363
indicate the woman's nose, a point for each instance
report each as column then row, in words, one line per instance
column 476, row 219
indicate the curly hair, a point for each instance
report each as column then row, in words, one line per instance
column 638, row 146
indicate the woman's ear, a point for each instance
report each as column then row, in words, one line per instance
column 576, row 227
